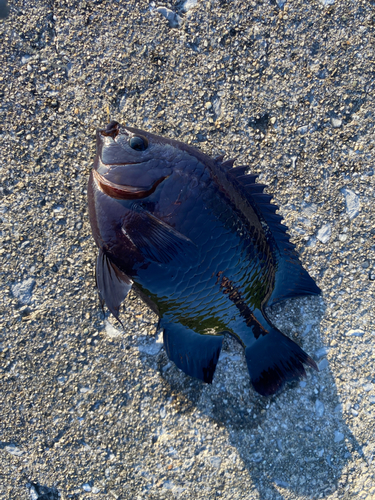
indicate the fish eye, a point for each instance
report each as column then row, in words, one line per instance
column 138, row 143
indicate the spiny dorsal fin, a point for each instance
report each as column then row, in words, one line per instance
column 291, row 278
column 228, row 164
column 238, row 171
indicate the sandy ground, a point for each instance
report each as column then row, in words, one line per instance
column 89, row 410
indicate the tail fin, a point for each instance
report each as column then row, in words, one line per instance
column 273, row 360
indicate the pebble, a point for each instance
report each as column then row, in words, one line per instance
column 324, row 233
column 26, row 58
column 173, row 18
column 189, row 4
column 355, row 333
column 122, row 103
column 33, row 494
column 371, row 399
column 321, row 352
column 303, row 130
column 353, row 205
column 86, row 487
column 339, row 436
column 215, row 461
column 368, row 387
column 216, row 104
column 111, row 331
column 282, row 484
column 338, row 408
column 23, row 291
column 163, row 412
column 335, row 122
column 153, row 347
column 319, row 408
column 14, row 450
column 323, row 365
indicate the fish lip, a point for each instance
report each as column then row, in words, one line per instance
column 104, row 168
column 122, row 191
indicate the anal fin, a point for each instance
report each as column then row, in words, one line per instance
column 195, row 354
column 113, row 284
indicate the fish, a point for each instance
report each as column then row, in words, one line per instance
column 200, row 242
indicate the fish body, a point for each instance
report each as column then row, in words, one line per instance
column 201, row 243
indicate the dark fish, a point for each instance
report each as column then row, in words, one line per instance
column 202, row 245
column 4, row 9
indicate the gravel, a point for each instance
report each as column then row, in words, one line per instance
column 93, row 410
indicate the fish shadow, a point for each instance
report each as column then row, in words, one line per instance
column 295, row 441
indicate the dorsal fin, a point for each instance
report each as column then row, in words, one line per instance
column 291, row 278
column 228, row 164
column 237, row 171
column 219, row 159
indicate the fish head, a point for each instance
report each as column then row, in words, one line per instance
column 131, row 163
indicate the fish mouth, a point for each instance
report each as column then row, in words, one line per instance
column 124, row 192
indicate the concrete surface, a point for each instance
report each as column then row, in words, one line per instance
column 89, row 410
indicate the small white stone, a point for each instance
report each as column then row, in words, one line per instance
column 208, row 105
column 153, row 347
column 303, row 130
column 319, row 408
column 355, row 333
column 163, row 412
column 86, row 487
column 111, row 331
column 339, row 436
column 215, row 461
column 122, row 103
column 13, row 450
column 189, row 4
column 23, row 291
column 173, row 18
column 324, row 233
column 323, row 365
column 33, row 494
column 321, row 352
column 353, row 205
column 336, row 122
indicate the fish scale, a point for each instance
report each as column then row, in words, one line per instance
column 202, row 245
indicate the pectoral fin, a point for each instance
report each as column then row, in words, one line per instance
column 112, row 283
column 157, row 240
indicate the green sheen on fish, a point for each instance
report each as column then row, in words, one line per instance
column 202, row 245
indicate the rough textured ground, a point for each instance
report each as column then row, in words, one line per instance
column 90, row 411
